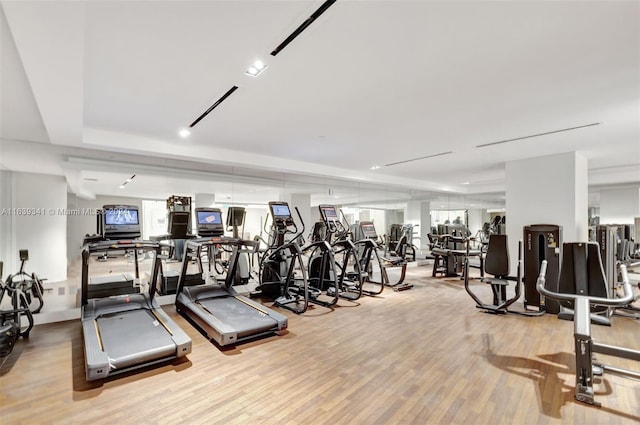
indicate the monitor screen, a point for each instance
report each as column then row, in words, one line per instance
column 235, row 216
column 121, row 216
column 209, row 217
column 280, row 210
column 329, row 213
column 368, row 230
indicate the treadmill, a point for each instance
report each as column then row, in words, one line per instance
column 126, row 331
column 218, row 309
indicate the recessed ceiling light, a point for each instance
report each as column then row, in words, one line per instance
column 255, row 69
column 464, row 183
column 127, row 181
column 375, row 167
column 184, row 133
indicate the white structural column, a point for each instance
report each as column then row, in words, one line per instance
column 425, row 223
column 619, row 206
column 303, row 202
column 547, row 190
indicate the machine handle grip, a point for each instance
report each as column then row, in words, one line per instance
column 613, row 302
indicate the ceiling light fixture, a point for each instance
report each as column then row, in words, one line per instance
column 546, row 133
column 256, row 69
column 375, row 167
column 127, row 181
column 417, row 159
column 184, row 133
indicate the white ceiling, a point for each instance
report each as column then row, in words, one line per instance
column 110, row 83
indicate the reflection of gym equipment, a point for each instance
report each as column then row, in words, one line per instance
column 29, row 286
column 126, row 332
column 541, row 242
column 496, row 263
column 235, row 223
column 614, row 250
column 450, row 254
column 11, row 327
column 582, row 284
column 401, row 234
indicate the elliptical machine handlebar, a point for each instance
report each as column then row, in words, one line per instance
column 299, row 234
column 612, row 302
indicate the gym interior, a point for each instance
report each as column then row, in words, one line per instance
column 320, row 212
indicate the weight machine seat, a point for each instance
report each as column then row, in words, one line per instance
column 496, row 261
column 582, row 273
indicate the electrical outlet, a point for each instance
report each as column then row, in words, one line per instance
column 61, row 290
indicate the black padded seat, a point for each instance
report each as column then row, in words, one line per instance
column 496, row 263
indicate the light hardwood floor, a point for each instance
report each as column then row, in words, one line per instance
column 423, row 356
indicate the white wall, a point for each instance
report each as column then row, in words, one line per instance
column 6, row 228
column 44, row 232
column 303, row 203
column 619, row 206
column 547, row 190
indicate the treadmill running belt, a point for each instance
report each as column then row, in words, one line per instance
column 134, row 337
column 245, row 319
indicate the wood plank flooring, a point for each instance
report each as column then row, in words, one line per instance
column 423, row 356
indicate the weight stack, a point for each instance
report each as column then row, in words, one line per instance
column 541, row 242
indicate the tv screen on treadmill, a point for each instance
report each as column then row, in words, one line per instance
column 209, row 217
column 281, row 210
column 120, row 216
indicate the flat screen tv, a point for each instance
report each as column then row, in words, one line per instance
column 209, row 222
column 121, row 221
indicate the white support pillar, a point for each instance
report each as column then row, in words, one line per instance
column 547, row 190
column 303, row 202
column 425, row 223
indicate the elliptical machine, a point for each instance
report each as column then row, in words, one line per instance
column 277, row 278
column 348, row 274
column 28, row 285
column 11, row 327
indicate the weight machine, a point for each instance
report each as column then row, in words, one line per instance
column 582, row 285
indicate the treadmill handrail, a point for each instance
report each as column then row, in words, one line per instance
column 220, row 240
column 119, row 245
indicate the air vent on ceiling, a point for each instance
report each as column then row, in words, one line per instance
column 538, row 135
column 315, row 15
column 417, row 159
column 215, row 105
